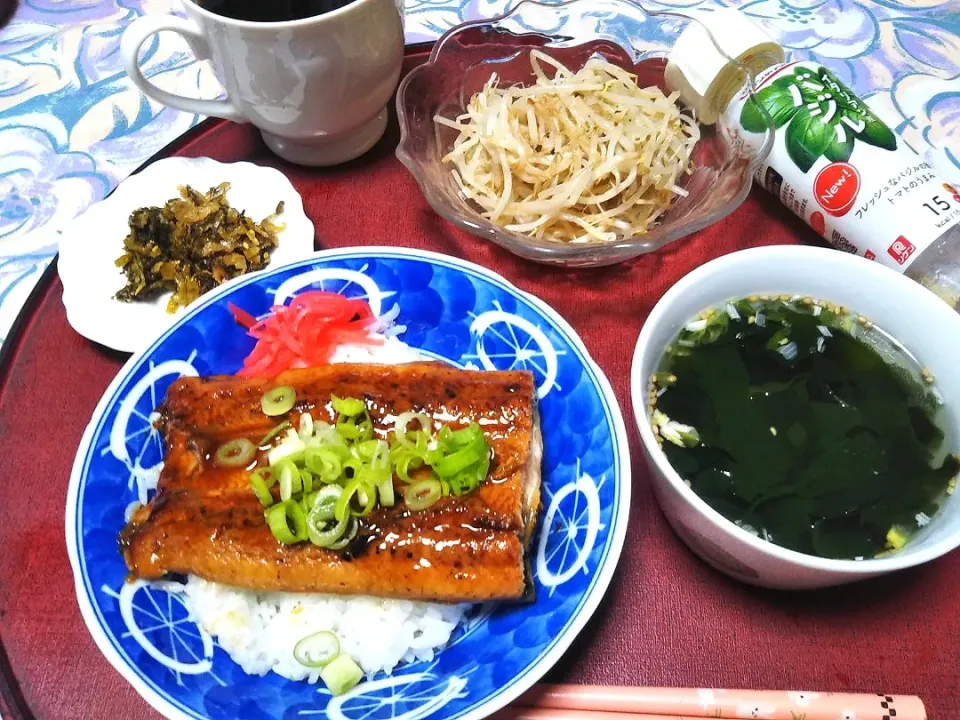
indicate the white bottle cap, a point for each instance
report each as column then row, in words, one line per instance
column 707, row 71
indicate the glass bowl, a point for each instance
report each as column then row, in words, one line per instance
column 623, row 33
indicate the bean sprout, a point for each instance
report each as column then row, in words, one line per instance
column 582, row 157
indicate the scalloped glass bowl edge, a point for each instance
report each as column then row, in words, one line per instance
column 625, row 34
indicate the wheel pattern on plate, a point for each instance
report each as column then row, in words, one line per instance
column 450, row 311
column 157, row 617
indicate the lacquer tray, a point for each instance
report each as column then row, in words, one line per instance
column 667, row 619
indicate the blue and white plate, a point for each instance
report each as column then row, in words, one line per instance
column 453, row 310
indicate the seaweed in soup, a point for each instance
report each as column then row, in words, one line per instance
column 805, row 425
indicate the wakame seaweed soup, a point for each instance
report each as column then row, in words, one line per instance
column 804, row 424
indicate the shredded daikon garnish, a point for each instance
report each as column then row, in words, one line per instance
column 582, row 157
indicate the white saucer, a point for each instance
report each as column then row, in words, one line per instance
column 91, row 244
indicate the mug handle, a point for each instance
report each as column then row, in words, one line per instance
column 136, row 35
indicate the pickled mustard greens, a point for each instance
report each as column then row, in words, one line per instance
column 192, row 244
column 805, row 425
column 583, row 157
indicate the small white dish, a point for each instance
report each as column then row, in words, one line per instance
column 922, row 322
column 90, row 246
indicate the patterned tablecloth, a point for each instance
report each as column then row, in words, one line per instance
column 72, row 125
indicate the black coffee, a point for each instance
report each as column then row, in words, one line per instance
column 271, row 10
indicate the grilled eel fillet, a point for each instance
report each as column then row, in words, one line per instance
column 206, row 520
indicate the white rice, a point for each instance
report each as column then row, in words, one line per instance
column 260, row 629
column 393, row 352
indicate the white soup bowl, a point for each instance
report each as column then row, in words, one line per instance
column 922, row 322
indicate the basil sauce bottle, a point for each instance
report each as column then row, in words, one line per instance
column 832, row 162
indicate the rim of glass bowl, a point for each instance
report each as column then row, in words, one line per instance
column 554, row 252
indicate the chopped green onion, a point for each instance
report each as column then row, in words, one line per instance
column 352, row 529
column 381, row 460
column 353, row 420
column 367, row 497
column 324, row 434
column 289, row 447
column 290, row 481
column 279, row 400
column 343, row 502
column 325, row 506
column 261, row 480
column 273, row 433
column 341, row 674
column 322, row 530
column 371, row 450
column 348, row 406
column 412, row 438
column 235, row 453
column 317, row 650
column 306, row 477
column 306, row 426
column 366, row 428
column 294, row 456
column 385, row 492
column 357, row 427
column 466, row 481
column 465, row 436
column 404, row 464
column 308, row 501
column 352, row 467
column 326, row 462
column 324, row 533
column 423, row 494
column 374, row 475
column 460, row 460
column 329, row 476
column 287, row 522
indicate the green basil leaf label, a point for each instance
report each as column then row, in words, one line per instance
column 752, row 117
column 839, row 150
column 786, row 81
column 803, row 82
column 860, row 119
column 776, row 100
column 840, row 93
column 807, row 139
column 879, row 135
column 838, row 166
column 782, row 109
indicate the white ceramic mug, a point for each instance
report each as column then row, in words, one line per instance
column 317, row 88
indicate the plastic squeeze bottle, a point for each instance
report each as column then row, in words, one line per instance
column 833, row 162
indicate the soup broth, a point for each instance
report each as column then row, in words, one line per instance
column 805, row 425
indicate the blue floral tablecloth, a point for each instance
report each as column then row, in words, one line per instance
column 72, row 125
